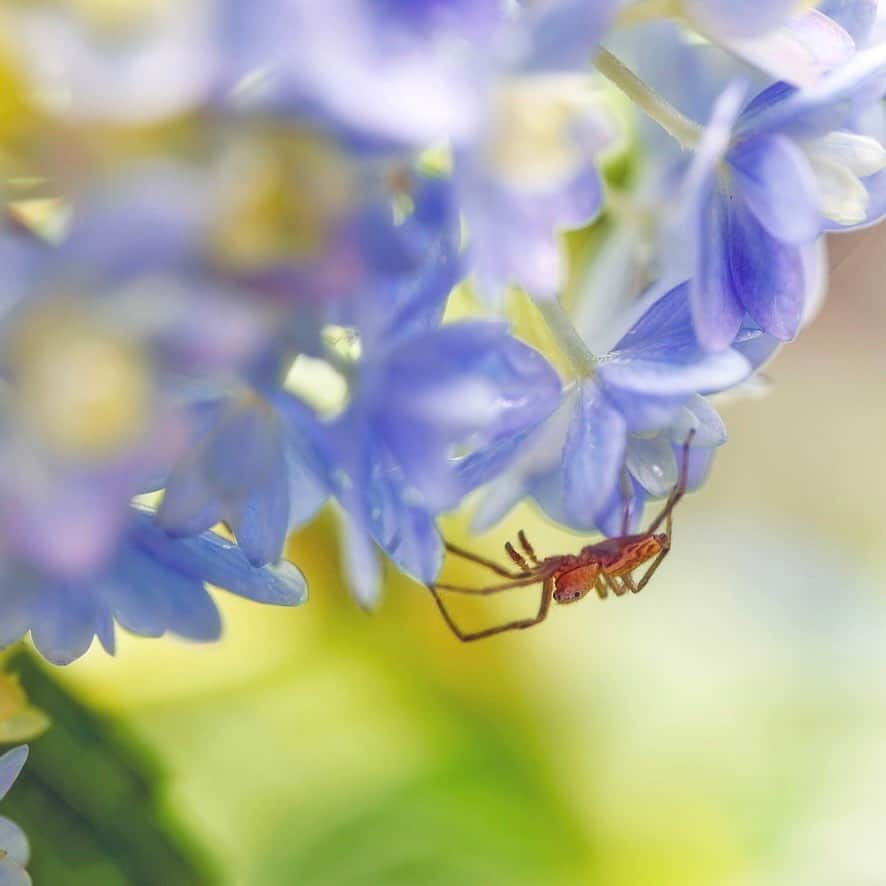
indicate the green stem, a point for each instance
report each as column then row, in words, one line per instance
column 568, row 339
column 685, row 131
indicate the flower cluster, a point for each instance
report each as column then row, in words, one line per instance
column 258, row 257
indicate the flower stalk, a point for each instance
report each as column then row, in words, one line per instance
column 686, row 132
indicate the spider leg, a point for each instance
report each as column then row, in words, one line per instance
column 615, row 584
column 527, row 547
column 678, row 491
column 519, row 582
column 547, row 593
column 517, row 557
column 601, row 587
column 482, row 561
column 653, row 566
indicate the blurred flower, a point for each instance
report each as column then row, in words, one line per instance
column 777, row 36
column 159, row 56
column 14, row 848
column 465, row 386
column 254, row 465
column 639, row 403
column 393, row 73
column 761, row 193
column 149, row 584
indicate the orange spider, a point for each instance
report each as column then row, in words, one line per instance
column 605, row 566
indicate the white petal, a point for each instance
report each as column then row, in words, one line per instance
column 860, row 154
column 842, row 197
column 800, row 51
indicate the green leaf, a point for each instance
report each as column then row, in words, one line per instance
column 89, row 800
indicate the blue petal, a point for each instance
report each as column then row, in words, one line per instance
column 830, row 104
column 644, row 413
column 660, row 355
column 406, row 533
column 563, row 33
column 767, row 275
column 15, row 607
column 152, row 598
column 700, row 417
column 306, row 468
column 361, row 563
column 716, row 306
column 775, row 180
column 610, row 520
column 592, row 456
column 63, row 623
column 263, row 519
column 218, row 562
column 189, row 505
column 11, row 764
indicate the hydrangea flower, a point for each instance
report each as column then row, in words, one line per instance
column 466, row 385
column 392, row 73
column 14, row 848
column 639, row 401
column 765, row 180
column 149, row 584
column 254, row 465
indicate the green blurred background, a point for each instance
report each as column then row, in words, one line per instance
column 727, row 726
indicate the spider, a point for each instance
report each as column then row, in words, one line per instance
column 605, row 566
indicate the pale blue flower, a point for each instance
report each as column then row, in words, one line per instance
column 149, row 584
column 14, row 848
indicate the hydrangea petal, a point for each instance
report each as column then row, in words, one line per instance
column 774, row 179
column 800, row 51
column 592, row 455
column 829, row 105
column 219, row 562
column 651, row 461
column 767, row 273
column 561, row 34
column 62, row 624
column 699, row 417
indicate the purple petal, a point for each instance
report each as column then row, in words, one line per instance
column 263, row 520
column 63, row 624
column 774, row 178
column 361, row 564
column 716, row 306
column 766, row 273
column 592, row 455
column 218, row 562
column 830, row 104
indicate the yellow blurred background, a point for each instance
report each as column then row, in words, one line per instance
column 727, row 726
